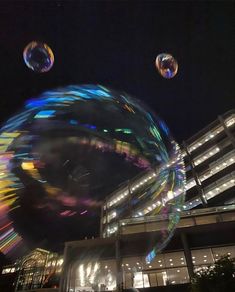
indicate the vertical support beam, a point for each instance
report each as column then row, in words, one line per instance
column 187, row 253
column 106, row 217
column 195, row 175
column 19, row 275
column 129, row 199
column 101, row 219
column 118, row 265
column 44, row 271
column 18, row 279
column 227, row 131
column 104, row 214
column 65, row 272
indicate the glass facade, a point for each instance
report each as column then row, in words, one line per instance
column 38, row 269
column 101, row 274
column 93, row 275
column 209, row 163
column 166, row 269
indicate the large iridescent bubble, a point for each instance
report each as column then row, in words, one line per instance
column 38, row 57
column 70, row 148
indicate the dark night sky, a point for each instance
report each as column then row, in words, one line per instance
column 115, row 43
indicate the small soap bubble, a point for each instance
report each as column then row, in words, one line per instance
column 38, row 57
column 166, row 65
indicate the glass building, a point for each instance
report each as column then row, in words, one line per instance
column 38, row 269
column 209, row 210
column 117, row 260
column 209, row 159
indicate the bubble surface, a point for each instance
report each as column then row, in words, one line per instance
column 68, row 150
column 38, row 57
column 166, row 65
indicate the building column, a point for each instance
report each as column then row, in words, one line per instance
column 101, row 220
column 187, row 253
column 129, row 199
column 227, row 131
column 64, row 273
column 119, row 275
column 18, row 279
column 198, row 183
